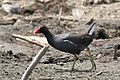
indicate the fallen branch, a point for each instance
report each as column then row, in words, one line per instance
column 40, row 54
column 39, row 41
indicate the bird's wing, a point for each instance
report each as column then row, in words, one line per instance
column 63, row 36
column 70, row 42
column 79, row 40
column 75, row 39
column 65, row 39
column 72, row 46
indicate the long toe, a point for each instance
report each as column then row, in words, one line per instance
column 93, row 65
column 81, row 60
column 72, row 69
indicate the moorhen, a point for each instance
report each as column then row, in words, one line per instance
column 70, row 42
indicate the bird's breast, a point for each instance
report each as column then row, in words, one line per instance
column 65, row 47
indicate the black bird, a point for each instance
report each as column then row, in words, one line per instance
column 70, row 42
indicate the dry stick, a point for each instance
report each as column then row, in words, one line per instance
column 20, row 37
column 49, row 16
column 90, row 21
column 59, row 16
column 115, row 53
column 60, row 12
column 68, row 18
column 99, row 73
column 34, row 62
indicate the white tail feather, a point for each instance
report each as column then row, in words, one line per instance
column 92, row 29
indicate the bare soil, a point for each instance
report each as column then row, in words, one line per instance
column 15, row 55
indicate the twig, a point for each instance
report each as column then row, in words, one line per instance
column 46, row 78
column 90, row 21
column 60, row 12
column 40, row 54
column 49, row 16
column 115, row 54
column 68, row 18
column 99, row 73
column 68, row 28
column 59, row 16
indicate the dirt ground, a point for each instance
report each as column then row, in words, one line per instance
column 15, row 55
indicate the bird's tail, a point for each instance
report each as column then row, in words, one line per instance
column 92, row 29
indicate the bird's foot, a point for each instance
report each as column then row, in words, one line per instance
column 93, row 65
column 72, row 69
column 81, row 60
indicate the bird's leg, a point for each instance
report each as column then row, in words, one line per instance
column 75, row 59
column 92, row 61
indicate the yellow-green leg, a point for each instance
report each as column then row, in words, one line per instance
column 92, row 62
column 75, row 59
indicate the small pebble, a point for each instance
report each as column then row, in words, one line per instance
column 10, row 52
column 99, row 56
column 1, row 46
column 61, row 64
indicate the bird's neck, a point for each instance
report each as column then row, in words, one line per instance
column 49, row 36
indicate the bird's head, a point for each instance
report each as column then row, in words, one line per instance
column 41, row 29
